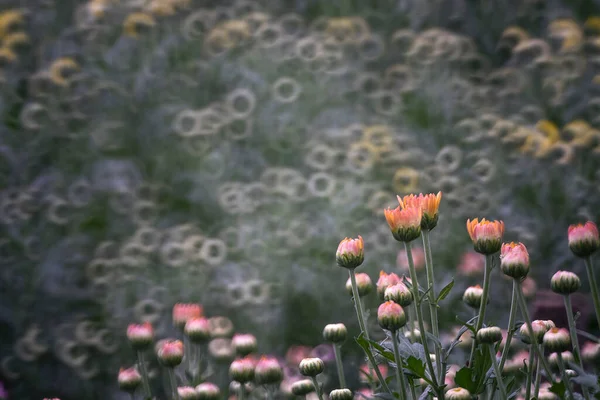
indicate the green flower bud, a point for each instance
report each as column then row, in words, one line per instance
column 341, row 394
column 489, row 335
column 311, row 366
column 335, row 333
column 303, row 387
column 565, row 283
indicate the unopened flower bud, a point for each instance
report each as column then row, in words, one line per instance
column 169, row 352
column 486, row 235
column 567, row 357
column 268, row 371
column 386, row 280
column 405, row 224
column 489, row 335
column 197, row 330
column 413, row 335
column 303, row 387
column 208, row 391
column 335, row 333
column 590, row 352
column 350, row 253
column 311, row 366
column 364, row 285
column 472, row 296
column 221, row 349
column 549, row 324
column 539, row 330
column 514, row 260
column 140, row 336
column 183, row 312
column 391, row 316
column 341, row 394
column 242, row 370
column 570, row 373
column 557, row 340
column 565, row 282
column 584, row 239
column 244, row 344
column 399, row 294
column 129, row 379
column 545, row 394
column 429, row 205
column 187, row 393
column 458, row 394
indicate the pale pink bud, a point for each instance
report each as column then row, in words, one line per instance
column 169, row 352
column 391, row 316
column 486, row 235
column 471, row 264
column 183, row 312
column 187, row 393
column 140, row 336
column 584, row 239
column 350, row 253
column 268, row 371
column 242, row 370
column 197, row 329
column 244, row 343
column 514, row 260
column 364, row 285
column 129, row 379
column 557, row 339
column 386, row 280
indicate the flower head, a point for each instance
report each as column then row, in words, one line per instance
column 399, row 294
column 514, row 260
column 386, row 280
column 311, row 366
column 350, row 253
column 242, row 370
column 187, row 393
column 584, row 239
column 486, row 235
column 129, row 379
column 391, row 316
column 244, row 343
column 208, row 391
column 197, row 329
column 268, row 371
column 429, row 205
column 472, row 296
column 557, row 339
column 335, row 333
column 405, row 224
column 363, row 284
column 140, row 336
column 458, row 394
column 183, row 312
column 341, row 394
column 170, row 352
column 565, row 282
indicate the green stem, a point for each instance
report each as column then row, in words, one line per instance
column 361, row 323
column 243, row 391
column 498, row 373
column 144, row 373
column 563, row 374
column 399, row 371
column 484, row 299
column 574, row 341
column 317, row 387
column 593, row 286
column 534, row 343
column 529, row 375
column 416, row 296
column 340, row 366
column 538, row 374
column 432, row 297
column 413, row 391
column 269, row 391
column 511, row 325
column 173, row 383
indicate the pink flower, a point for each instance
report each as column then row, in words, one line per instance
column 486, row 235
column 429, row 205
column 197, row 329
column 584, row 239
column 140, row 336
column 183, row 312
column 129, row 379
column 350, row 253
column 363, row 284
column 268, row 371
column 418, row 259
column 405, row 224
column 170, row 352
column 386, row 280
column 514, row 260
column 391, row 316
column 242, row 370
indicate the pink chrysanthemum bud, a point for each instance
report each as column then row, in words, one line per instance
column 303, row 387
column 391, row 316
column 208, row 391
column 197, row 329
column 183, row 312
column 129, row 379
column 311, row 366
column 458, row 394
column 429, row 205
column 418, row 256
column 169, row 352
column 268, row 371
column 399, row 294
column 590, row 352
column 364, row 285
column 486, row 235
column 386, row 280
column 539, row 330
column 472, row 296
column 584, row 239
column 350, row 253
column 244, row 343
column 489, row 335
column 405, row 224
column 567, row 357
column 242, row 370
column 140, row 336
column 471, row 264
column 546, row 394
column 187, row 393
column 335, row 333
column 514, row 260
column 565, row 283
column 341, row 394
column 557, row 339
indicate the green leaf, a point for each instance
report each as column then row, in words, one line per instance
column 445, row 291
column 417, row 367
column 464, row 379
column 559, row 389
column 469, row 323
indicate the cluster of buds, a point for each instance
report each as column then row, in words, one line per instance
column 386, row 280
column 364, row 285
column 540, row 327
column 584, row 239
column 565, row 283
column 184, row 312
column 514, row 260
column 391, row 316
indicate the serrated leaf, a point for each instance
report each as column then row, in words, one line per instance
column 445, row 291
column 380, row 350
column 464, row 379
column 407, row 349
column 416, row 366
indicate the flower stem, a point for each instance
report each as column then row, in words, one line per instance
column 563, row 374
column 534, row 343
column 363, row 328
column 432, row 297
column 498, row 372
column 529, row 374
column 511, row 325
column 399, row 370
column 593, row 286
column 340, row 367
column 144, row 373
column 538, row 374
column 416, row 296
column 243, row 391
column 413, row 392
column 173, row 383
column 574, row 341
column 484, row 299
column 317, row 388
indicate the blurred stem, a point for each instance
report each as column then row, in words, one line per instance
column 538, row 374
column 529, row 374
column 416, row 295
column 534, row 343
column 363, row 328
column 511, row 325
column 413, row 391
column 574, row 341
column 399, row 370
column 269, row 390
column 593, row 286
column 317, row 387
column 173, row 383
column 144, row 373
column 498, row 373
column 432, row 298
column 484, row 299
column 340, row 367
column 243, row 391
column 563, row 374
